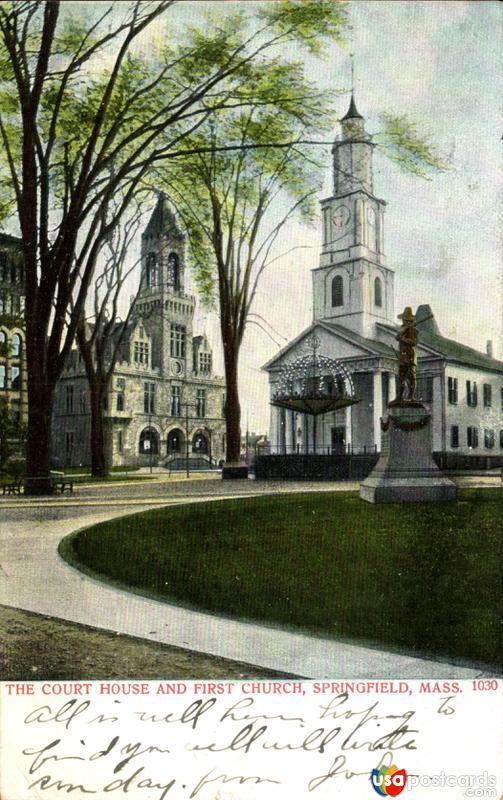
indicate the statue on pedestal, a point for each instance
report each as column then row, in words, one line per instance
column 407, row 359
column 406, row 471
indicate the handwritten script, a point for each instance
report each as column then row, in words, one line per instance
column 237, row 740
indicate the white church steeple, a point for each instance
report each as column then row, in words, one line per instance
column 353, row 286
column 352, row 154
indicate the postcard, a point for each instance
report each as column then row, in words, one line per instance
column 251, row 399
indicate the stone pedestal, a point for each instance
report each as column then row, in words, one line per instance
column 406, row 472
column 233, row 472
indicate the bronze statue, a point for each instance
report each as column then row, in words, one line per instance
column 407, row 339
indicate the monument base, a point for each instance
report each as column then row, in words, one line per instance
column 406, row 472
column 233, row 472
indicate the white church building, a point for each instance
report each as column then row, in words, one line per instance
column 355, row 320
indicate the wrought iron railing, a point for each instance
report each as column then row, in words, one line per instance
column 319, row 450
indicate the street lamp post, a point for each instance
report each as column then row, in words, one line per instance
column 150, row 435
column 187, row 438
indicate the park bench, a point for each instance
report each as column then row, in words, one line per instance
column 65, row 485
column 62, row 482
column 12, row 485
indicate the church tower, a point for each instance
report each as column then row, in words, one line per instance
column 165, row 308
column 353, row 287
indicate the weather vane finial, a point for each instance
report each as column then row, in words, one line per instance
column 352, row 56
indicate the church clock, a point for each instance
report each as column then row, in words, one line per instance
column 341, row 217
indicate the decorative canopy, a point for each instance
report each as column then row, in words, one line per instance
column 314, row 384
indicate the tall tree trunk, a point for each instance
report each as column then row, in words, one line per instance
column 98, row 437
column 232, row 405
column 38, row 444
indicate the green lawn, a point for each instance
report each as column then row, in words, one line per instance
column 425, row 578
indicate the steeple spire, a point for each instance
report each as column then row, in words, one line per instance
column 352, row 111
column 163, row 220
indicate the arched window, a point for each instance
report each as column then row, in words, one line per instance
column 173, row 277
column 3, row 343
column 149, row 442
column 378, row 292
column 174, row 442
column 337, row 291
column 15, row 378
column 200, row 443
column 16, row 345
column 151, row 269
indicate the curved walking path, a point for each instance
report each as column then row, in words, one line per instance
column 35, row 578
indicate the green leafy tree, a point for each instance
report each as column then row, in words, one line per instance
column 87, row 114
column 403, row 144
column 236, row 202
column 261, row 165
column 101, row 333
column 82, row 116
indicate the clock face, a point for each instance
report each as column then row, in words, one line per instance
column 176, row 368
column 340, row 217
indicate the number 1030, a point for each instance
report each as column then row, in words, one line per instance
column 485, row 686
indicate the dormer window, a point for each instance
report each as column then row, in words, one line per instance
column 205, row 362
column 151, row 270
column 337, row 291
column 141, row 353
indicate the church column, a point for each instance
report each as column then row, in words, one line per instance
column 289, row 431
column 377, row 409
column 349, row 428
column 282, row 430
column 274, row 428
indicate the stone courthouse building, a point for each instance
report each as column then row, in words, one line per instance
column 165, row 400
column 355, row 321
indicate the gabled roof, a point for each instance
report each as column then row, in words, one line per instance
column 371, row 346
column 460, row 353
column 429, row 336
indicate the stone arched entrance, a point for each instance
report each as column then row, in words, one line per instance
column 149, row 442
column 174, row 442
column 200, row 443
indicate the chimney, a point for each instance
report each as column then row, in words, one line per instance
column 489, row 348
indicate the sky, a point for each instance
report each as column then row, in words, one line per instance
column 440, row 62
